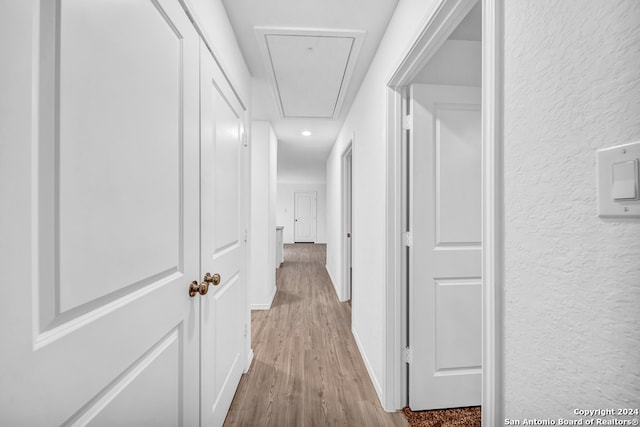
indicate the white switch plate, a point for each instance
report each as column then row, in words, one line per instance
column 625, row 158
column 625, row 181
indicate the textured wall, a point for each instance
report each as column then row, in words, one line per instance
column 572, row 297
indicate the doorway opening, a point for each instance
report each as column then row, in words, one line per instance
column 442, row 217
column 439, row 180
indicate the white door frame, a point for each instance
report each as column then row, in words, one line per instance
column 434, row 31
column 347, row 209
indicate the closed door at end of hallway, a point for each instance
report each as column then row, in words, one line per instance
column 305, row 217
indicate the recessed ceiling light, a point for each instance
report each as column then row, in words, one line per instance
column 306, row 133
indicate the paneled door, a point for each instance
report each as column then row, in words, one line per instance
column 445, row 333
column 224, row 307
column 304, row 212
column 101, row 330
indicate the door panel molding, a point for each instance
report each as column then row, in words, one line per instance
column 452, row 363
column 94, row 407
column 80, row 317
column 229, row 247
column 82, row 358
column 59, row 311
column 451, row 236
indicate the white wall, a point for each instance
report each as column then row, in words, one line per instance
column 367, row 120
column 572, row 280
column 262, row 232
column 285, row 207
column 299, row 161
column 457, row 63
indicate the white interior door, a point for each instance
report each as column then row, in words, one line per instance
column 102, row 330
column 224, row 308
column 445, row 321
column 304, row 216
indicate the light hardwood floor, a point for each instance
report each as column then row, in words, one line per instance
column 307, row 370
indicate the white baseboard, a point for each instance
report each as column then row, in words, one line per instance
column 249, row 361
column 374, row 380
column 333, row 282
column 266, row 306
column 273, row 295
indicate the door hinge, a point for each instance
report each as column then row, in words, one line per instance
column 407, row 122
column 407, row 355
column 245, row 235
column 246, row 328
column 245, row 139
column 407, row 239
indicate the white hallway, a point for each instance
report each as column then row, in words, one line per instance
column 561, row 284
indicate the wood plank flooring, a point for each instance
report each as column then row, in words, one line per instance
column 307, row 370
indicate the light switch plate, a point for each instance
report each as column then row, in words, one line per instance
column 625, row 181
column 619, row 181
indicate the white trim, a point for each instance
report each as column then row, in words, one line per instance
column 367, row 364
column 492, row 210
column 394, row 374
column 433, row 33
column 333, row 283
column 345, row 292
column 266, row 306
column 248, row 361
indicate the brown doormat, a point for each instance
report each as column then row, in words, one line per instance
column 456, row 417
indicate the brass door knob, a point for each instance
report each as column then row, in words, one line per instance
column 194, row 288
column 203, row 288
column 213, row 280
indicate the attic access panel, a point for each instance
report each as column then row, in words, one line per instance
column 309, row 69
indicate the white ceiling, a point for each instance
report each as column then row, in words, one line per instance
column 297, row 68
column 314, row 83
column 458, row 62
column 470, row 28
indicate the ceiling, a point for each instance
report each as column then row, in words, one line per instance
column 297, row 60
column 307, row 59
column 458, row 61
column 470, row 28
